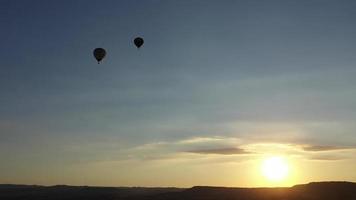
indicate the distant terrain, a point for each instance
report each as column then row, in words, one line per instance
column 311, row 191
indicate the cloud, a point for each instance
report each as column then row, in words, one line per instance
column 324, row 148
column 230, row 149
column 187, row 148
column 327, row 157
column 221, row 151
column 200, row 140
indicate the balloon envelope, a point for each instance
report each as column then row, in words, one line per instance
column 138, row 42
column 99, row 54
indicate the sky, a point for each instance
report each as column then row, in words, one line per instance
column 218, row 87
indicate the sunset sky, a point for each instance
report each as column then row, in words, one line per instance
column 217, row 88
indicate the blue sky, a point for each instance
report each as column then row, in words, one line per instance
column 229, row 74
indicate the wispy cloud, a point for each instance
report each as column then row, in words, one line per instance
column 221, row 151
column 197, row 140
column 327, row 157
column 230, row 149
column 324, row 148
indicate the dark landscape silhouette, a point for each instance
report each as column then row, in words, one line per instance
column 311, row 191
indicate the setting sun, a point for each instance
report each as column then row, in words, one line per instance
column 275, row 168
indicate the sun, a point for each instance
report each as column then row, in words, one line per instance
column 275, row 168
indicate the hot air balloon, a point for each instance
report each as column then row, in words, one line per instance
column 138, row 42
column 99, row 54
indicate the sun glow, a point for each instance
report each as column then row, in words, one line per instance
column 275, row 169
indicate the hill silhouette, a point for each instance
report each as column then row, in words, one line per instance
column 311, row 191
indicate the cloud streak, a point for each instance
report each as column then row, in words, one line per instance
column 324, row 148
column 221, row 151
column 204, row 149
column 327, row 158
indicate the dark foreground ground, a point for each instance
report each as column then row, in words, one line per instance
column 311, row 191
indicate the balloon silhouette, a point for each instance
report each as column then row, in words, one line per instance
column 138, row 42
column 99, row 54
